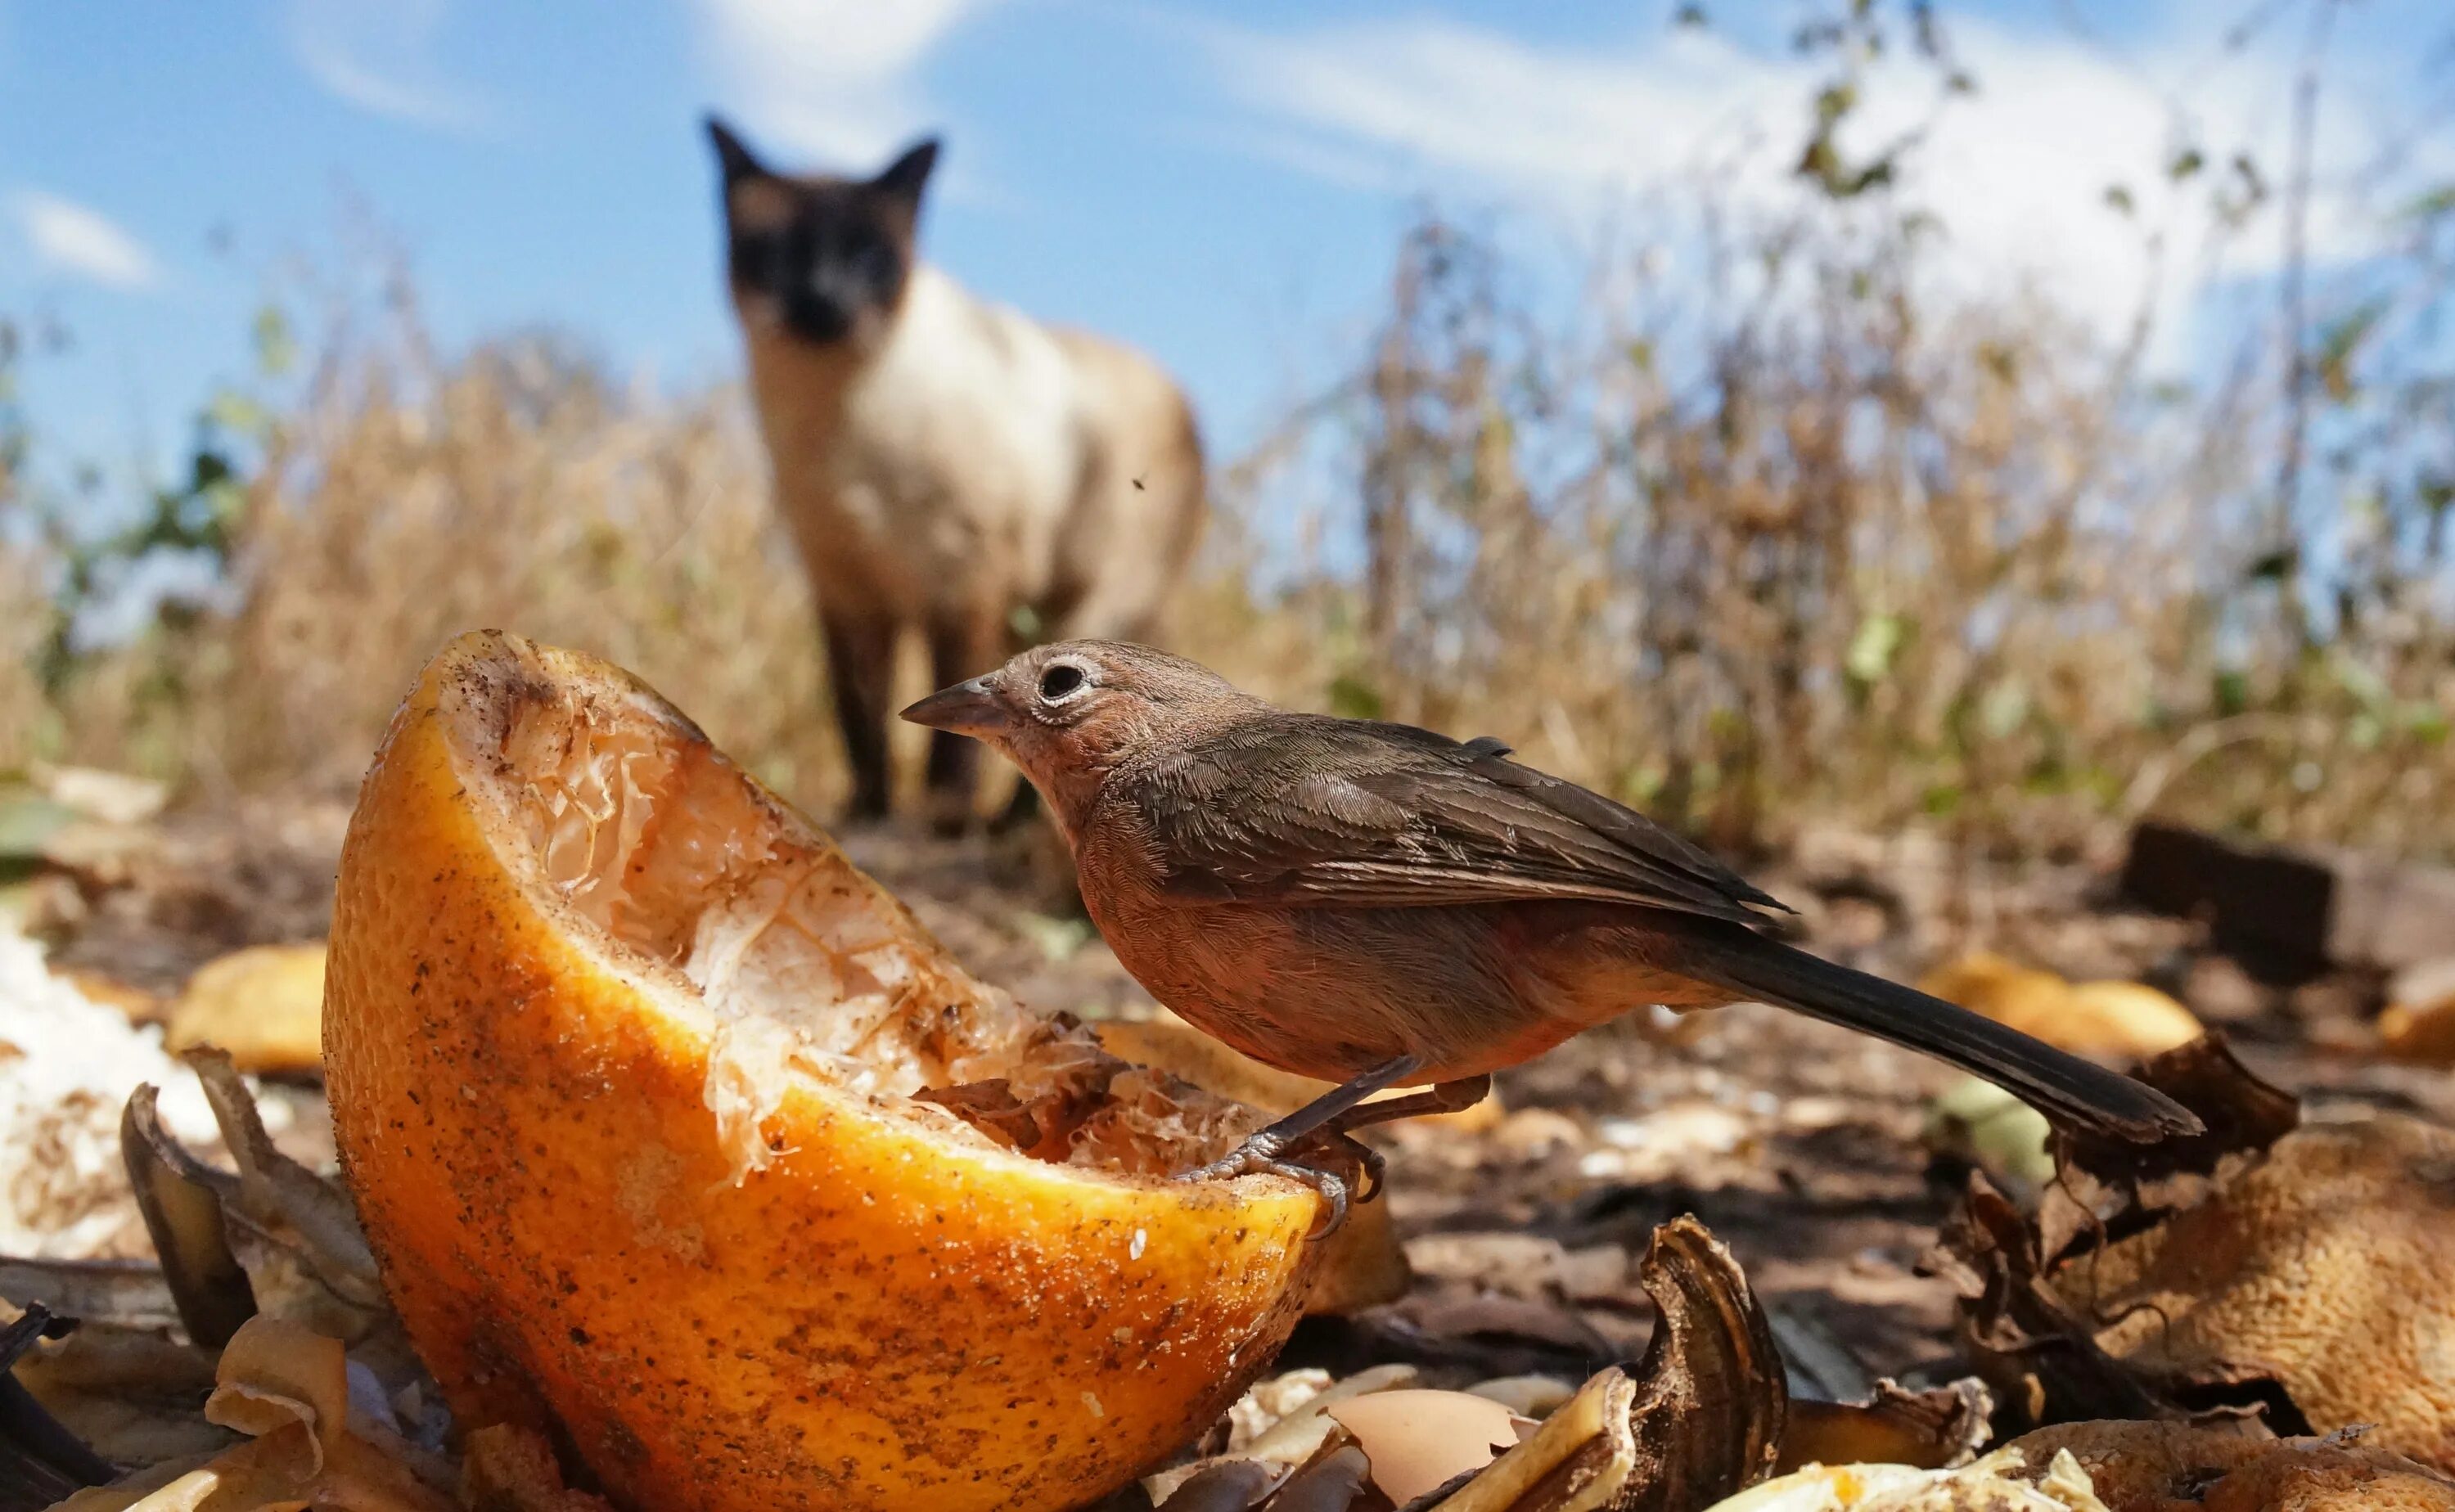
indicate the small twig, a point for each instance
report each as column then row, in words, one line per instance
column 2298, row 368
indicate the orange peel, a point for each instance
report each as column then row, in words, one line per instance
column 2109, row 1017
column 625, row 1061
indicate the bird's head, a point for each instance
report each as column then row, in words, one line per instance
column 1071, row 713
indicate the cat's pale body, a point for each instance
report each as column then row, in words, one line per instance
column 945, row 464
column 977, row 462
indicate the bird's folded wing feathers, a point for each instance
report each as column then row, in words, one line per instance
column 1300, row 811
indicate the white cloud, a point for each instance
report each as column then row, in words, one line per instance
column 378, row 56
column 2017, row 173
column 75, row 239
column 831, row 78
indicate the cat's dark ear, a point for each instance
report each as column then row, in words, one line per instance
column 737, row 162
column 907, row 176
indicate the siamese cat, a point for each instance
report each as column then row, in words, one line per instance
column 943, row 463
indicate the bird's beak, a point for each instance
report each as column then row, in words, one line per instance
column 968, row 708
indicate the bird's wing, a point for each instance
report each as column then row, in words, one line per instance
column 1302, row 811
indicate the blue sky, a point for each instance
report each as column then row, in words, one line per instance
column 1222, row 183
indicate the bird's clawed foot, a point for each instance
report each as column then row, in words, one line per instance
column 1270, row 1154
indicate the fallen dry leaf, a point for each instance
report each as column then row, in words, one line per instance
column 272, row 1237
column 41, row 1460
column 1272, row 1449
column 1698, row 1418
column 286, row 1388
column 2308, row 1273
column 2182, row 1467
column 130, row 1395
column 1926, row 1430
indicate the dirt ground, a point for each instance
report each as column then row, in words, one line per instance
column 1801, row 1146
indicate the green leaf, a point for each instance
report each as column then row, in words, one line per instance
column 2437, row 493
column 2341, row 342
column 1352, row 698
column 2003, row 710
column 225, row 500
column 2432, row 205
column 2362, row 682
column 1994, row 1129
column 27, row 821
column 1872, row 650
column 276, row 347
column 1641, row 785
column 238, row 414
column 1057, row 940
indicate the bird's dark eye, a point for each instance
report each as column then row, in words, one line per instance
column 1060, row 681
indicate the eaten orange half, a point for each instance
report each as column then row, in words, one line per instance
column 681, row 1141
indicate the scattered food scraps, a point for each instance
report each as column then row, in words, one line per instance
column 2000, row 1482
column 1420, row 1440
column 114, row 798
column 1699, row 1416
column 67, row 1064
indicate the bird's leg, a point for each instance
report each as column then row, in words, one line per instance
column 1441, row 1097
column 1322, row 1120
column 1445, row 1097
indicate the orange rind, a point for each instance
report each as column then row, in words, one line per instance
column 681, row 1144
column 2126, row 1019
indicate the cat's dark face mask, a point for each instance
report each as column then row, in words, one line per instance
column 825, row 260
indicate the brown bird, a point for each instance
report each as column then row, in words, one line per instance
column 1379, row 905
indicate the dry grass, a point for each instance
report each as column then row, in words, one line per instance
column 1812, row 550
column 404, row 503
column 1822, row 548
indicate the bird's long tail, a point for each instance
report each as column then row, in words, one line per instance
column 2073, row 1093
